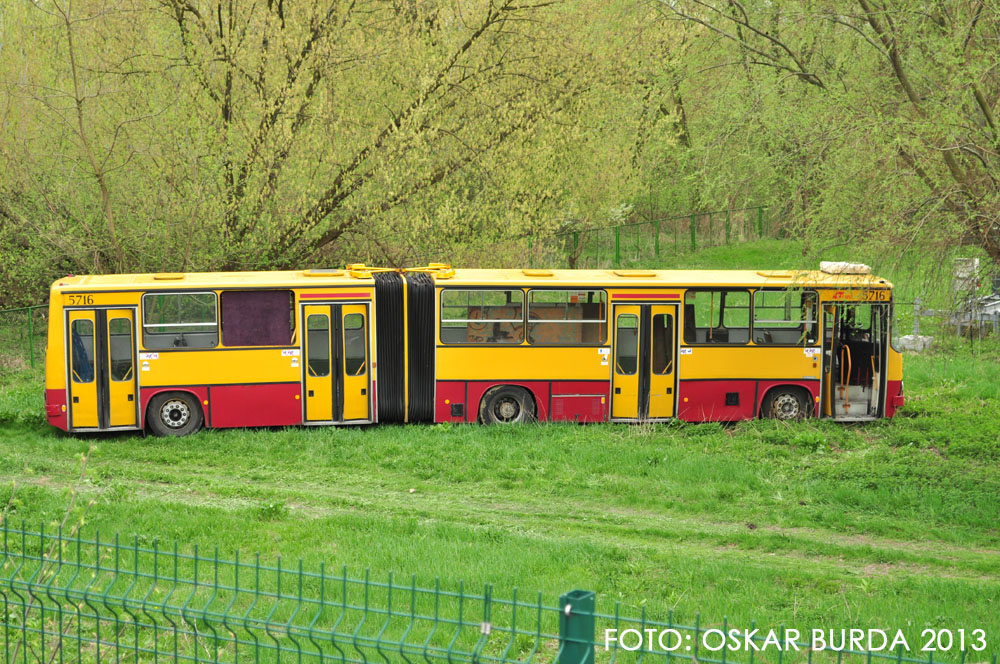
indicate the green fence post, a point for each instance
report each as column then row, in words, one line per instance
column 576, row 627
column 618, row 246
column 711, row 239
column 760, row 222
column 31, row 339
column 531, row 253
column 694, row 244
column 656, row 240
column 727, row 227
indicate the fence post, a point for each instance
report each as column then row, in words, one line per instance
column 576, row 627
column 31, row 339
column 916, row 316
column 618, row 246
column 531, row 253
column 694, row 244
column 727, row 226
column 656, row 240
column 760, row 223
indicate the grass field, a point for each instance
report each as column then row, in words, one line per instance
column 889, row 525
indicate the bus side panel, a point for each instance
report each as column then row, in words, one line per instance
column 894, row 383
column 55, row 364
column 705, row 400
column 200, row 392
column 55, row 408
column 539, row 390
column 275, row 404
column 811, row 386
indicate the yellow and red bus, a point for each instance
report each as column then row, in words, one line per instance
column 173, row 352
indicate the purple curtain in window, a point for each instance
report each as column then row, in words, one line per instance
column 257, row 318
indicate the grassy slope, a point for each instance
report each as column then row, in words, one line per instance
column 811, row 525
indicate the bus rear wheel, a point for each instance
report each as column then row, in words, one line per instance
column 786, row 403
column 507, row 405
column 174, row 414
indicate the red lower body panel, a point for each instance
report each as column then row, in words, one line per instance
column 894, row 397
column 730, row 400
column 55, row 408
column 262, row 405
column 572, row 401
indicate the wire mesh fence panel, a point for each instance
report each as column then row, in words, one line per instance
column 23, row 334
column 67, row 598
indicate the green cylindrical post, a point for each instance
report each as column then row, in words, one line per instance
column 760, row 222
column 694, row 243
column 656, row 240
column 531, row 253
column 727, row 227
column 31, row 339
column 711, row 239
column 618, row 246
column 576, row 627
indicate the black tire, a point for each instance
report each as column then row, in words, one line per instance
column 786, row 403
column 174, row 414
column 507, row 405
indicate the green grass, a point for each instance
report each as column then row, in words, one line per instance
column 810, row 525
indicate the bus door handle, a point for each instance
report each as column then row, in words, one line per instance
column 310, row 392
column 618, row 390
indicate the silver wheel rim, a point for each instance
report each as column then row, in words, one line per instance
column 786, row 407
column 507, row 409
column 175, row 413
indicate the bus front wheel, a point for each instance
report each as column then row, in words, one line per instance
column 174, row 414
column 507, row 404
column 786, row 403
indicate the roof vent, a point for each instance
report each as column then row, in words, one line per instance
column 634, row 273
column 837, row 267
column 322, row 272
column 537, row 273
column 168, row 276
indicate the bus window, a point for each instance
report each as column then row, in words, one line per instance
column 717, row 317
column 179, row 320
column 567, row 317
column 354, row 345
column 258, row 318
column 785, row 317
column 627, row 344
column 482, row 316
column 318, row 345
column 663, row 343
column 120, row 346
column 83, row 351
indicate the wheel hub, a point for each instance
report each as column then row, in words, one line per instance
column 507, row 409
column 175, row 413
column 786, row 407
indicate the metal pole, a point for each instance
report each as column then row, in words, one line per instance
column 760, row 222
column 727, row 226
column 916, row 316
column 576, row 627
column 618, row 246
column 31, row 338
column 656, row 240
column 694, row 244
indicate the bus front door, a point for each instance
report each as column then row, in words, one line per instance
column 101, row 371
column 336, row 369
column 644, row 371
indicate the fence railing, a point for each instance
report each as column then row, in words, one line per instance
column 647, row 240
column 24, row 330
column 71, row 599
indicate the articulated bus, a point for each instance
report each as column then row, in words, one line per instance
column 173, row 352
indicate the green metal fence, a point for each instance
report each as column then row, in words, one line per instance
column 639, row 243
column 22, row 336
column 73, row 599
